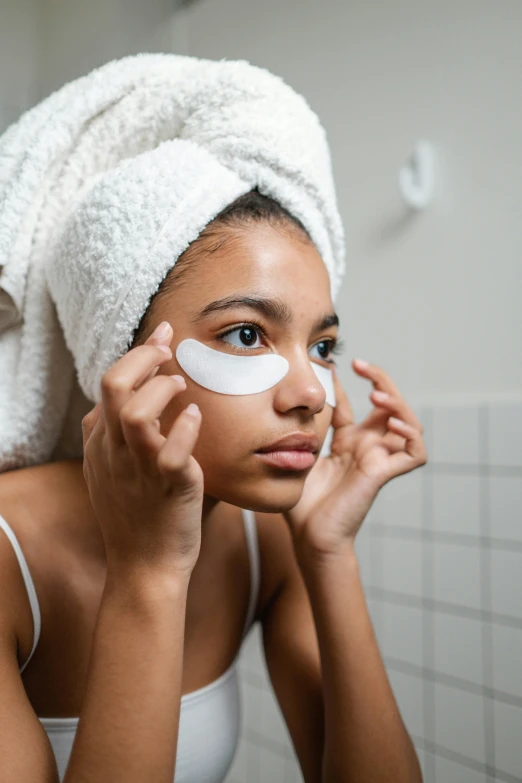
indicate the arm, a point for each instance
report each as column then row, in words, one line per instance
column 128, row 725
column 147, row 495
column 365, row 737
column 146, row 490
column 329, row 678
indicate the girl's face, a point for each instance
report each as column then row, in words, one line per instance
column 291, row 315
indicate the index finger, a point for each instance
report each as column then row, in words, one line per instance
column 382, row 382
column 380, row 379
column 120, row 380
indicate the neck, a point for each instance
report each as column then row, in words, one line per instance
column 209, row 504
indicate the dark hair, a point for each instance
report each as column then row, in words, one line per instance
column 246, row 210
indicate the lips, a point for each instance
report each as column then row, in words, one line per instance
column 296, row 459
column 296, row 441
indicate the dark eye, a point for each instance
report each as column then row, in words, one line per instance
column 324, row 348
column 246, row 337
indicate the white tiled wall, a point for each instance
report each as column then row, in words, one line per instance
column 265, row 752
column 441, row 562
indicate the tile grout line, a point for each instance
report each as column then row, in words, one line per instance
column 428, row 686
column 443, row 607
column 486, row 594
column 498, row 775
column 470, row 468
column 457, row 683
column 390, row 530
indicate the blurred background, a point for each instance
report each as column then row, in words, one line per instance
column 432, row 295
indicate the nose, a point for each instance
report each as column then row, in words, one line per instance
column 300, row 388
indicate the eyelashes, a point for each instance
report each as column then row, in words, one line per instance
column 336, row 344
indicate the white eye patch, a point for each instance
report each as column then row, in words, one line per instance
column 227, row 373
column 326, row 380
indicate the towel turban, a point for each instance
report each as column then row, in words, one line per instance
column 102, row 186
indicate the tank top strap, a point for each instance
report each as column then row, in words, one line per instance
column 29, row 585
column 249, row 522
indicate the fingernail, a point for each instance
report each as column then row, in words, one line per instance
column 163, row 330
column 192, row 409
column 361, row 363
column 379, row 395
column 178, row 378
column 164, row 348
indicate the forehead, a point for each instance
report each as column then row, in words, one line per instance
column 265, row 260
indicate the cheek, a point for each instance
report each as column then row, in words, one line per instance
column 232, row 421
column 234, row 424
column 227, row 419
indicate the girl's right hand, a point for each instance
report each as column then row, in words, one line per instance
column 145, row 489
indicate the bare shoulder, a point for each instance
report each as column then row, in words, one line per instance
column 15, row 611
column 28, row 506
column 19, row 489
column 277, row 558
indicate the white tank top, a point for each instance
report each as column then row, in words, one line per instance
column 209, row 720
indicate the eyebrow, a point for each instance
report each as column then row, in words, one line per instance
column 274, row 309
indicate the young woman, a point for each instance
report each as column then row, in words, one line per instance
column 142, row 569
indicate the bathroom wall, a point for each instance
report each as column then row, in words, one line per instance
column 45, row 43
column 441, row 565
column 433, row 297
column 20, row 48
column 78, row 36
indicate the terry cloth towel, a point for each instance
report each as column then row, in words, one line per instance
column 102, row 186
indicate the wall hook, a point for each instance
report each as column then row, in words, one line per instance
column 416, row 177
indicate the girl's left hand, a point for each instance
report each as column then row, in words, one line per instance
column 340, row 489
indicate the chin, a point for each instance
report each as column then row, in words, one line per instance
column 268, row 495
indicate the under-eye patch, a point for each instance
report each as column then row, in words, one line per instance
column 326, row 380
column 227, row 373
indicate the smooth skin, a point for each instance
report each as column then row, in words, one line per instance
column 155, row 483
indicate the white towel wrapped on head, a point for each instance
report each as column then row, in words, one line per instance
column 102, row 186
